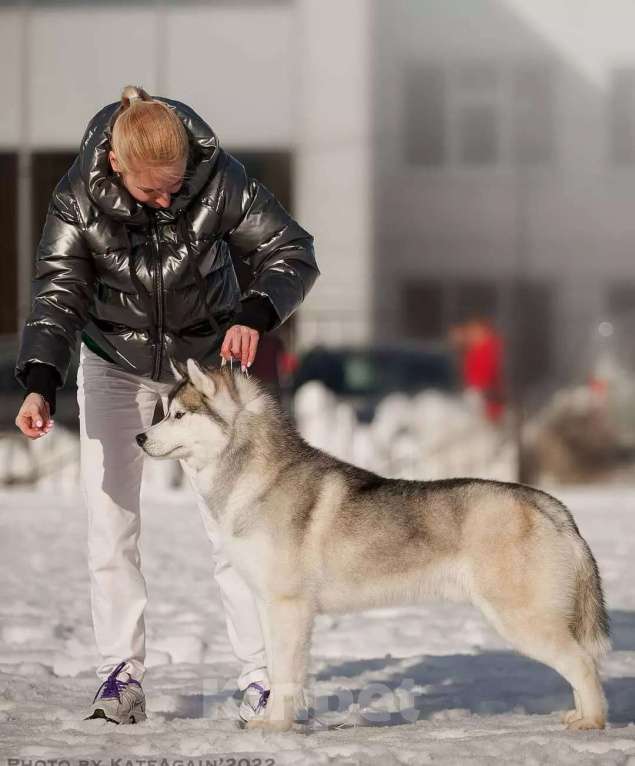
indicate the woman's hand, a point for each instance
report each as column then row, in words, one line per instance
column 240, row 343
column 34, row 418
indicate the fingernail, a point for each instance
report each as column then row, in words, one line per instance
column 243, row 368
column 249, row 364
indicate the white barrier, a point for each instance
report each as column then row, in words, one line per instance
column 428, row 436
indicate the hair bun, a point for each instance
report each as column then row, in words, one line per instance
column 148, row 136
column 131, row 93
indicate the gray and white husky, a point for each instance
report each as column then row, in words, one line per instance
column 312, row 534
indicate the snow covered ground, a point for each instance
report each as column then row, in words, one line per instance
column 398, row 686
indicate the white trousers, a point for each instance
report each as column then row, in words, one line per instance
column 114, row 406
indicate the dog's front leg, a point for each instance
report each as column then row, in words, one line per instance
column 265, row 624
column 289, row 621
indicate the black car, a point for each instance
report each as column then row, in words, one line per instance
column 12, row 393
column 364, row 375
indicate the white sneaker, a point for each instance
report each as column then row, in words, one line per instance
column 253, row 703
column 120, row 700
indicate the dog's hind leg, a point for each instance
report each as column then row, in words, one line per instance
column 546, row 637
column 290, row 621
column 572, row 715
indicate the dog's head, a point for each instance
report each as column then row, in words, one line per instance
column 203, row 408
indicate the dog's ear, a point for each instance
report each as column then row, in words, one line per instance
column 178, row 370
column 199, row 378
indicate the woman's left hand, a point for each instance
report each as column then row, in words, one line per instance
column 240, row 343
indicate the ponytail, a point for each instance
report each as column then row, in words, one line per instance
column 147, row 134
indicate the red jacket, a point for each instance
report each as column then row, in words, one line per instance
column 483, row 370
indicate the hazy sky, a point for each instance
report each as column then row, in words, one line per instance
column 593, row 34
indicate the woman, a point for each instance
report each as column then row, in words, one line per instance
column 135, row 254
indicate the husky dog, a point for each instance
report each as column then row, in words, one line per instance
column 311, row 533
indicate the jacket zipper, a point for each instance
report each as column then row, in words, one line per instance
column 158, row 292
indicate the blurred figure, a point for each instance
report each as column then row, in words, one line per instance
column 457, row 338
column 480, row 349
column 268, row 364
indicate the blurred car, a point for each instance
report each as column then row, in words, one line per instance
column 12, row 393
column 363, row 375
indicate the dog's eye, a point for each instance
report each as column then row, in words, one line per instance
column 178, row 415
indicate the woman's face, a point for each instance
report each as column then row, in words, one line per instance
column 152, row 187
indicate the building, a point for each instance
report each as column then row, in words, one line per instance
column 448, row 155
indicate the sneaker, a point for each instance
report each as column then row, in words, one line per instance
column 120, row 700
column 253, row 703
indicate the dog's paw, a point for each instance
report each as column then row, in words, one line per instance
column 570, row 716
column 264, row 725
column 584, row 724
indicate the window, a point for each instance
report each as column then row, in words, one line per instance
column 428, row 305
column 425, row 116
column 620, row 303
column 48, row 169
column 476, row 297
column 532, row 331
column 476, row 96
column 273, row 169
column 622, row 117
column 9, row 248
column 478, row 134
column 422, row 309
column 534, row 114
column 479, row 113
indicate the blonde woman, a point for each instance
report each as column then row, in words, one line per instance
column 135, row 255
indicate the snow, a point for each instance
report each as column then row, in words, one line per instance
column 432, row 684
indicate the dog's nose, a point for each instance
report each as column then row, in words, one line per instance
column 141, row 439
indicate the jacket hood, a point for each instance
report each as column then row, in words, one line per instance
column 111, row 196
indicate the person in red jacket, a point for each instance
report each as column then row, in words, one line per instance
column 482, row 363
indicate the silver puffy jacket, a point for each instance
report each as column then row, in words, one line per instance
column 148, row 284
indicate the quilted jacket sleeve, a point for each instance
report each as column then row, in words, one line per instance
column 62, row 289
column 259, row 230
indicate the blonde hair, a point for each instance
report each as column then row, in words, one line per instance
column 147, row 134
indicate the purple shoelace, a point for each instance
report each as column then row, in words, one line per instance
column 113, row 686
column 264, row 696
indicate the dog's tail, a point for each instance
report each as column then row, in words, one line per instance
column 588, row 618
column 590, row 621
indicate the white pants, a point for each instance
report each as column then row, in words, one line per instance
column 114, row 406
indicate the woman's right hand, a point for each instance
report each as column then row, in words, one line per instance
column 34, row 418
